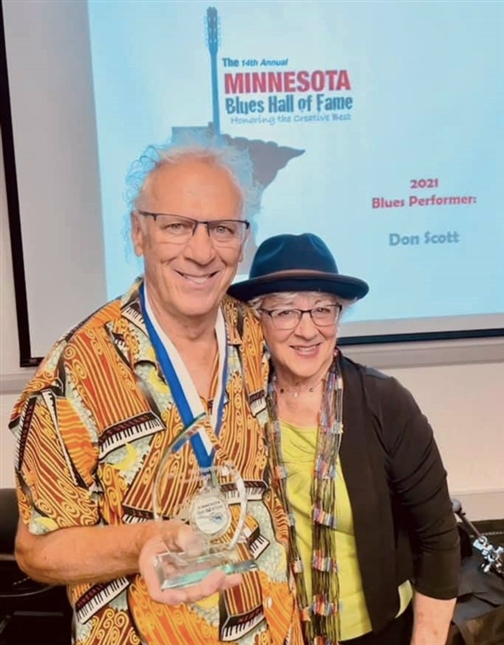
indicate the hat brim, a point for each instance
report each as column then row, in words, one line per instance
column 343, row 286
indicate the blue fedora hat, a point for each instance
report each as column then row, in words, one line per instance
column 296, row 263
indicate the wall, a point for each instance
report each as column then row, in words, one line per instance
column 464, row 402
column 9, row 351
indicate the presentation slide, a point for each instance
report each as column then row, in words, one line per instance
column 377, row 126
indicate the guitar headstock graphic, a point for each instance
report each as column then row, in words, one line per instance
column 212, row 30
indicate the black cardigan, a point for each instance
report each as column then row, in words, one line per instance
column 403, row 519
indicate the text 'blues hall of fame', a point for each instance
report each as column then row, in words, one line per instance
column 212, row 501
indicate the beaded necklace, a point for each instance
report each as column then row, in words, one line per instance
column 320, row 617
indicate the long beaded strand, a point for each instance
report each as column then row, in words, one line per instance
column 320, row 617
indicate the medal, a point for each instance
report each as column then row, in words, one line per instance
column 209, row 513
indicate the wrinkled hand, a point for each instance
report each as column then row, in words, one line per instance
column 176, row 537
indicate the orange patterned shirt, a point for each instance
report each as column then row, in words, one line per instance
column 91, row 428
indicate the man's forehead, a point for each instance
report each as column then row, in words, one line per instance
column 193, row 179
column 191, row 172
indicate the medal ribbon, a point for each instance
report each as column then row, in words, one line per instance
column 182, row 386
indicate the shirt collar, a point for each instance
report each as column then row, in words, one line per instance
column 131, row 310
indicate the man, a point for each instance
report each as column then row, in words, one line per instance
column 93, row 425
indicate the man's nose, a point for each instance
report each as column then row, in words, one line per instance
column 200, row 247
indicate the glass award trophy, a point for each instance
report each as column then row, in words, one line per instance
column 212, row 501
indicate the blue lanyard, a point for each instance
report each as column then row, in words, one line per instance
column 205, row 460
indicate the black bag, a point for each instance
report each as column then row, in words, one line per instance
column 479, row 613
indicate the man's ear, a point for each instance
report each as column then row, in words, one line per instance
column 137, row 233
column 242, row 248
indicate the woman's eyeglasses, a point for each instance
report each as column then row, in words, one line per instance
column 285, row 319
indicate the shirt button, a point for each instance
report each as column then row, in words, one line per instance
column 268, row 602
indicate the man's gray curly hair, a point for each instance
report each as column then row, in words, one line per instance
column 199, row 145
column 202, row 146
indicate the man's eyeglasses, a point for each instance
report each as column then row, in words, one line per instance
column 285, row 319
column 179, row 230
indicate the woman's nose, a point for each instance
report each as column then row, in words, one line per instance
column 306, row 327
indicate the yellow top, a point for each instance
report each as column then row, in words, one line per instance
column 298, row 450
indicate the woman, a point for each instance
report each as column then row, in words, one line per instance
column 373, row 536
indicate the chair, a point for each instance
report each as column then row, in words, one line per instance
column 26, row 606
